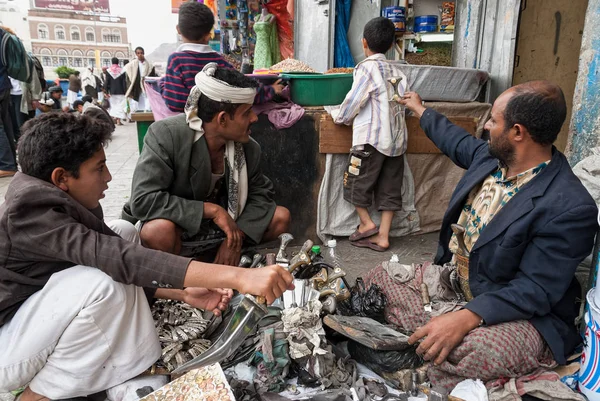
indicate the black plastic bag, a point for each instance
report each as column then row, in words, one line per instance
column 364, row 302
column 385, row 361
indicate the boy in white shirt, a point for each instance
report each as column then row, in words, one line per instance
column 379, row 138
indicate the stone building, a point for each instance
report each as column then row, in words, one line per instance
column 77, row 39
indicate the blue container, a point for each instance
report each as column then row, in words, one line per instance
column 425, row 28
column 64, row 85
column 426, row 20
column 397, row 15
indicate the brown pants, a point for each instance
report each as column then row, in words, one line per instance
column 373, row 175
column 487, row 353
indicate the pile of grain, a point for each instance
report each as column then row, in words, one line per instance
column 292, row 65
column 340, row 71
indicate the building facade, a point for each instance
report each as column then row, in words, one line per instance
column 77, row 39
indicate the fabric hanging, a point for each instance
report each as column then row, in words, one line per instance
column 266, row 52
column 285, row 29
column 342, row 55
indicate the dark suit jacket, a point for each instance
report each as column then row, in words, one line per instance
column 43, row 230
column 523, row 264
column 173, row 175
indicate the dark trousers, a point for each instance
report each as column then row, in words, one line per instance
column 8, row 154
column 18, row 118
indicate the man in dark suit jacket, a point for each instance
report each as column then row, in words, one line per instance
column 73, row 316
column 182, row 189
column 524, row 253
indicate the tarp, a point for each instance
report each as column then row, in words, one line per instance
column 428, row 183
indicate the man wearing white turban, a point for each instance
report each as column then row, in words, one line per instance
column 197, row 188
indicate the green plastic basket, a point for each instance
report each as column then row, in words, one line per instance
column 318, row 89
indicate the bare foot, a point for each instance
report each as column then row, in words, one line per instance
column 364, row 228
column 29, row 395
column 381, row 240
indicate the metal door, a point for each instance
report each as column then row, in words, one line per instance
column 313, row 32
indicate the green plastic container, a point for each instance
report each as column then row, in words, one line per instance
column 318, row 89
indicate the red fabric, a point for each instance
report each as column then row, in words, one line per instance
column 285, row 29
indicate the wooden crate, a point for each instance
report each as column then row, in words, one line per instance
column 334, row 138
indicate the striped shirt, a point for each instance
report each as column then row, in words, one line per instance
column 376, row 119
column 182, row 67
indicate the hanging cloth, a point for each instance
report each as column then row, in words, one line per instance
column 342, row 55
column 266, row 51
column 285, row 30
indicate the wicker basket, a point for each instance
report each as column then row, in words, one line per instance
column 462, row 265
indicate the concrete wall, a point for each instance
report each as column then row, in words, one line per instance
column 584, row 131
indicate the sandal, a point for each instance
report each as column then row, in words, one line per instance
column 357, row 235
column 365, row 243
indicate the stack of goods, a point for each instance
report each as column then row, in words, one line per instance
column 447, row 23
column 181, row 329
column 426, row 23
column 397, row 15
column 292, row 65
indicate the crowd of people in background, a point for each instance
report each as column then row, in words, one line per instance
column 115, row 90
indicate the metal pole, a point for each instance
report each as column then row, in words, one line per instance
column 98, row 59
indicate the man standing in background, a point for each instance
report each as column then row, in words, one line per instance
column 74, row 88
column 137, row 70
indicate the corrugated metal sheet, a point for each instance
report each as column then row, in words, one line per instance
column 485, row 38
column 314, row 32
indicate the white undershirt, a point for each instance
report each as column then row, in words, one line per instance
column 213, row 181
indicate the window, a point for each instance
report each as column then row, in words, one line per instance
column 117, row 35
column 106, row 59
column 120, row 55
column 43, row 31
column 77, row 58
column 59, row 32
column 91, row 58
column 62, row 57
column 75, row 34
column 46, row 57
column 90, row 36
column 108, row 37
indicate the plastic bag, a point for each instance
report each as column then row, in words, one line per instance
column 385, row 361
column 364, row 302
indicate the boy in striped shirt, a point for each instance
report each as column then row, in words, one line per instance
column 195, row 24
column 379, row 137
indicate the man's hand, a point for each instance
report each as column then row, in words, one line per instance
column 414, row 103
column 235, row 236
column 270, row 282
column 35, row 104
column 443, row 334
column 228, row 256
column 66, row 108
column 278, row 87
column 214, row 300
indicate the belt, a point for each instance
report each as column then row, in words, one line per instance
column 462, row 266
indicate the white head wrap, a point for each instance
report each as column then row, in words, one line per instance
column 220, row 91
